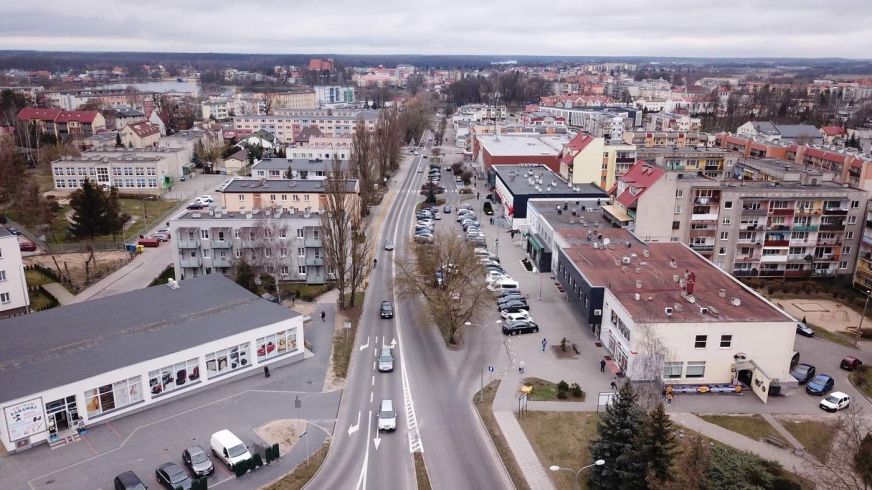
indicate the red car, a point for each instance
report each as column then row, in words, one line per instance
column 850, row 363
column 27, row 246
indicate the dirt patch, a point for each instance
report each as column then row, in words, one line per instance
column 285, row 432
column 563, row 354
column 304, row 308
column 72, row 264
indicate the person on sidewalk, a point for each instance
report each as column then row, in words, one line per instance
column 603, row 366
column 614, row 385
column 323, row 315
column 544, row 343
column 521, row 367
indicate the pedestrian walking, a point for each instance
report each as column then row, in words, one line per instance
column 614, row 385
column 603, row 366
column 323, row 315
column 521, row 367
column 544, row 343
column 669, row 398
column 81, row 426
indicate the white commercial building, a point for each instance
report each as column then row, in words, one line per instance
column 109, row 357
column 14, row 299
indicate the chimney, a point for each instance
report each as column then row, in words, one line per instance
column 690, row 281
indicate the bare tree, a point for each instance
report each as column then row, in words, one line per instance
column 361, row 253
column 388, row 142
column 272, row 253
column 846, row 465
column 648, row 366
column 459, row 296
column 336, row 227
column 363, row 157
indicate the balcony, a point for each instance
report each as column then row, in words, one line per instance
column 778, row 227
column 699, row 247
column 774, row 259
column 835, row 211
column 832, row 226
column 776, row 243
column 754, row 212
column 712, row 167
column 188, row 244
column 314, row 243
column 706, row 199
column 752, row 226
column 797, row 273
column 190, row 262
column 771, row 273
column 220, row 244
column 826, row 258
column 746, row 258
column 247, row 243
column 703, row 233
column 315, row 279
column 222, row 262
column 781, row 212
column 805, row 228
column 704, row 217
column 314, row 261
column 829, row 241
column 625, row 160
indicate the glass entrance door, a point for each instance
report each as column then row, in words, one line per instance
column 62, row 414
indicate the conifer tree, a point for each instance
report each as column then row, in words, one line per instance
column 617, row 430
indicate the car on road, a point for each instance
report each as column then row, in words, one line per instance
column 387, row 309
column 205, row 199
column 415, row 153
column 26, row 246
column 802, row 373
column 804, row 330
column 386, row 360
column 161, row 237
column 850, row 363
column 821, row 384
column 521, row 315
column 228, row 448
column 420, row 170
column 437, row 216
column 129, row 481
column 520, row 327
column 835, row 401
column 387, row 416
column 446, row 209
column 389, row 245
column 194, row 206
column 514, row 307
column 15, row 231
column 197, row 460
column 173, row 477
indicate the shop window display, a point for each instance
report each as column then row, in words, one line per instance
column 112, row 396
column 276, row 345
column 226, row 360
column 173, row 377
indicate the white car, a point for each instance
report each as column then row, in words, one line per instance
column 495, row 276
column 835, row 401
column 520, row 315
column 426, row 221
column 205, row 199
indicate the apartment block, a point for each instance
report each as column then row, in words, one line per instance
column 297, row 195
column 334, row 94
column 667, row 139
column 14, row 299
column 664, row 121
column 64, row 124
column 147, row 170
column 287, row 127
column 604, row 122
column 304, row 169
column 712, row 162
column 302, row 99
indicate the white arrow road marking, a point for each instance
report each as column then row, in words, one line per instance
column 353, row 428
column 393, row 343
column 365, row 346
column 377, row 440
column 361, row 481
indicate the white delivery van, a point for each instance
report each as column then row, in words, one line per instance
column 508, row 283
column 228, row 448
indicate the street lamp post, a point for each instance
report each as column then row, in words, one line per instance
column 470, row 324
column 598, row 462
column 860, row 326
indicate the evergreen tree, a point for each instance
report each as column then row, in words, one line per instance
column 431, row 195
column 245, row 275
column 118, row 142
column 617, row 430
column 290, row 173
column 731, row 469
column 113, row 212
column 656, row 445
column 863, row 460
column 90, row 212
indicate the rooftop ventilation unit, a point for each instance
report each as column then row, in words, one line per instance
column 722, row 293
column 668, row 311
column 735, row 301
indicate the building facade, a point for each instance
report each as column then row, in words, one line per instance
column 14, row 299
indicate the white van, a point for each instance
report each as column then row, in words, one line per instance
column 228, row 448
column 503, row 284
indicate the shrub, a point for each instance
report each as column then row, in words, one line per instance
column 866, row 333
column 576, row 390
column 562, row 386
column 770, row 289
column 561, row 395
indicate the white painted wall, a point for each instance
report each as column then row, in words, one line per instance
column 13, row 269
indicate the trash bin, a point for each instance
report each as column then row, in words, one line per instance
column 140, row 249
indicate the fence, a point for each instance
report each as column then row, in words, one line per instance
column 53, row 301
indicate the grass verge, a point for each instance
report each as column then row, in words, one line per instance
column 752, row 426
column 831, row 336
column 164, row 277
column 862, row 379
column 343, row 341
column 486, row 412
column 421, row 473
column 561, row 438
column 543, row 391
column 38, row 300
column 816, row 436
column 36, row 278
column 301, row 475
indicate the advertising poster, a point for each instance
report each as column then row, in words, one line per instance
column 25, row 419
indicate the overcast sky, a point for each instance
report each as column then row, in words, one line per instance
column 789, row 28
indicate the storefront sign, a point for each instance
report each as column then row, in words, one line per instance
column 25, row 419
column 721, row 388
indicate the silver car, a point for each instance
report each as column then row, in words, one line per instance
column 389, row 244
column 386, row 360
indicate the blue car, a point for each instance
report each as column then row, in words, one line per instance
column 821, row 384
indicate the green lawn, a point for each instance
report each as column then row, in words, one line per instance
column 561, row 438
column 543, row 391
column 831, row 336
column 862, row 379
column 815, row 436
column 36, row 278
column 753, row 426
column 38, row 300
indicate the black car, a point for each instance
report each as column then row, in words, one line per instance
column 514, row 307
column 129, row 481
column 803, row 373
column 387, row 309
column 197, row 460
column 518, row 327
column 497, row 268
column 172, row 476
column 196, row 206
column 511, row 297
column 502, row 293
column 804, row 330
column 15, row 231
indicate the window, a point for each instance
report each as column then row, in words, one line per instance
column 284, row 197
column 242, row 198
column 300, row 233
column 173, row 377
column 679, row 193
column 726, row 220
column 700, row 341
column 728, row 204
column 855, row 204
column 60, row 183
column 151, row 171
column 296, row 198
column 2, row 275
column 725, row 235
column 672, row 370
column 207, row 253
column 140, row 182
column 227, row 360
column 301, row 252
column 726, row 341
column 677, row 210
column 152, row 183
column 140, row 171
column 843, row 265
column 852, row 220
column 846, row 250
column 722, row 251
column 849, row 235
column 113, row 396
column 4, row 298
column 695, row 369
column 302, row 270
column 272, row 197
column 277, row 344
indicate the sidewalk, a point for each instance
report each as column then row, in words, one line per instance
column 59, row 292
column 781, row 430
column 530, row 465
column 135, row 275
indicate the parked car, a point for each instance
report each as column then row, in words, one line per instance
column 129, row 481
column 15, row 231
column 514, row 307
column 446, row 209
column 205, row 199
column 802, row 373
column 389, row 245
column 521, row 315
column 386, row 360
column 850, row 363
column 387, row 309
column 228, row 448
column 511, row 297
column 197, row 460
column 420, row 170
column 520, row 327
column 194, row 206
column 835, row 401
column 437, row 215
column 173, row 477
column 424, row 238
column 387, row 416
column 27, row 246
column 508, row 292
column 821, row 384
column 270, row 298
column 803, row 329
column 161, row 237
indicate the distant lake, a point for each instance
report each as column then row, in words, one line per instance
column 160, row 87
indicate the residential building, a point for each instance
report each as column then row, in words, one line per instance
column 581, row 160
column 30, row 91
column 664, row 121
column 542, row 119
column 113, row 356
column 667, row 139
column 14, row 299
column 116, row 98
column 517, row 148
column 604, row 122
column 236, row 162
column 297, row 195
column 299, row 99
column 140, row 135
column 789, row 133
column 125, row 116
column 712, row 162
column 218, row 109
column 311, row 169
column 64, row 124
column 321, row 65
column 833, row 134
column 287, row 127
column 334, row 94
column 863, row 272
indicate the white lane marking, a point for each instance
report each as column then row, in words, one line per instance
column 377, row 440
column 365, row 346
column 353, row 428
column 373, row 380
column 370, row 396
column 373, row 365
column 361, row 481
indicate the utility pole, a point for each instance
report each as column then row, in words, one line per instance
column 860, row 327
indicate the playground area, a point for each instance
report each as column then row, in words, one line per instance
column 824, row 313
